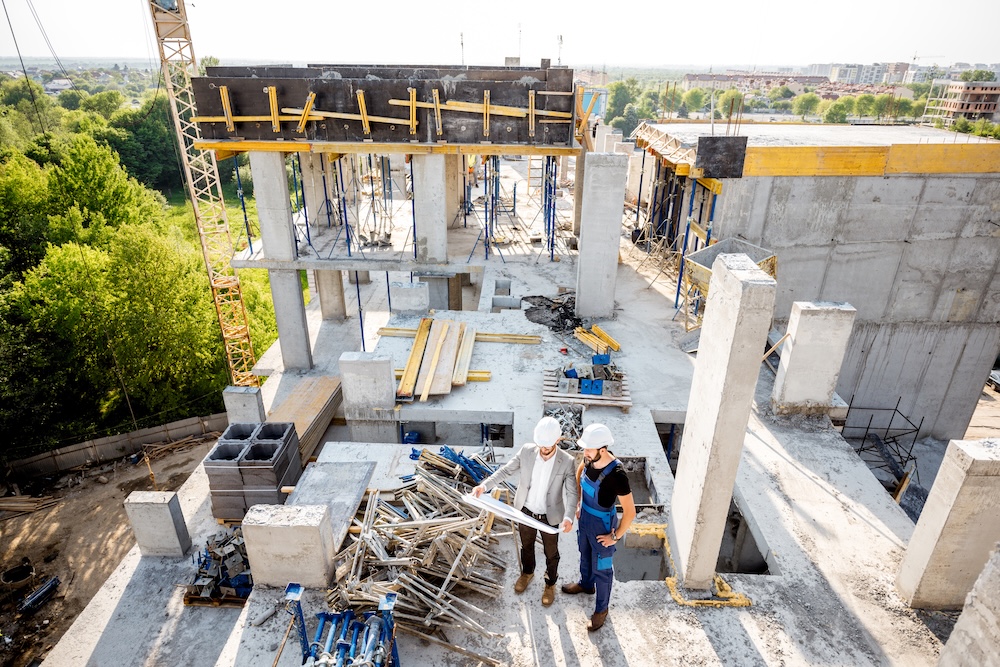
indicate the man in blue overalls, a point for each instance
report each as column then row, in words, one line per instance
column 602, row 482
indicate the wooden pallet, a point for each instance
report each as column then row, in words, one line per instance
column 225, row 601
column 550, row 393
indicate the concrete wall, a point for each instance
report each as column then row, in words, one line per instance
column 916, row 255
column 116, row 446
column 974, row 641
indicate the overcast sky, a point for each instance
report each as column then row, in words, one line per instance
column 653, row 34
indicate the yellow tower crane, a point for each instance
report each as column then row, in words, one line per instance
column 201, row 175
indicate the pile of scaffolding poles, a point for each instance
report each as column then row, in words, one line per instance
column 550, row 175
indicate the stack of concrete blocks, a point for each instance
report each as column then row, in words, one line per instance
column 249, row 465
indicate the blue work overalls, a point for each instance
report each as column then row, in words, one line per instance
column 595, row 560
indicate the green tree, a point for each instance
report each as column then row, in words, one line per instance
column 962, row 125
column 902, row 107
column 672, row 99
column 729, row 102
column 694, row 99
column 835, row 113
column 23, row 215
column 863, row 105
column 628, row 121
column 978, row 75
column 207, row 61
column 682, row 111
column 919, row 89
column 70, row 99
column 880, row 106
column 146, row 144
column 621, row 93
column 847, row 102
column 805, row 104
column 780, row 93
column 105, row 103
column 783, row 105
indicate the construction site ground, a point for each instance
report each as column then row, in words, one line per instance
column 81, row 540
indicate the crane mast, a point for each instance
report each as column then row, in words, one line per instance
column 201, row 175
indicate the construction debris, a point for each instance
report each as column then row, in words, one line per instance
column 21, row 505
column 557, row 314
column 158, row 450
column 427, row 546
column 223, row 578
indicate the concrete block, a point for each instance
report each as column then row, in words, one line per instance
column 244, row 404
column 355, row 277
column 289, row 543
column 437, row 291
column 409, row 298
column 340, row 486
column 811, row 357
column 157, row 523
column 957, row 528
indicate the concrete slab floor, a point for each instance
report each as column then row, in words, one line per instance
column 832, row 536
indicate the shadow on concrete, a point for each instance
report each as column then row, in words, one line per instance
column 940, row 623
column 151, row 626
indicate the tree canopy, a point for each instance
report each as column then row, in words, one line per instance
column 805, row 104
column 978, row 75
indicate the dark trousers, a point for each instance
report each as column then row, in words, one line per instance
column 550, row 544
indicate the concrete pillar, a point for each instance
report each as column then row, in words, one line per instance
column 330, row 290
column 369, row 388
column 453, row 187
column 626, row 147
column 409, row 298
column 602, row 194
column 430, row 207
column 158, row 523
column 612, row 138
column 290, row 543
column 974, row 640
column 274, row 208
column 355, row 277
column 578, row 183
column 811, row 357
column 290, row 314
column 312, row 187
column 602, row 132
column 437, row 291
column 455, row 292
column 957, row 528
column 737, row 319
column 244, row 405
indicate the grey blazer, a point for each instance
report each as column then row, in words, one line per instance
column 563, row 493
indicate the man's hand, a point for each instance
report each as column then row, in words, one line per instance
column 478, row 491
column 567, row 525
column 606, row 540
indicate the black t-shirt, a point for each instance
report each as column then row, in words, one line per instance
column 614, row 484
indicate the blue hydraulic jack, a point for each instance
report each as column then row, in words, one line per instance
column 368, row 643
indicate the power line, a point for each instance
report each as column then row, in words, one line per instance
column 27, row 81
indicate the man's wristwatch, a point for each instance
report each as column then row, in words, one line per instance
column 614, row 536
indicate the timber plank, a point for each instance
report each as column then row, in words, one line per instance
column 441, row 384
column 461, row 374
column 310, row 406
column 409, row 379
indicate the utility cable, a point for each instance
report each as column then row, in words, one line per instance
column 27, row 80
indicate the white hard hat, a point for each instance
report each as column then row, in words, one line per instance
column 547, row 432
column 596, row 436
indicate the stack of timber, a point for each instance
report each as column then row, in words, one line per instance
column 25, row 504
column 427, row 546
column 158, row 450
column 551, row 393
column 441, row 354
column 596, row 339
column 310, row 406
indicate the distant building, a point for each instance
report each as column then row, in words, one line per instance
column 845, row 73
column 971, row 100
column 896, row 72
column 748, row 81
column 56, row 86
column 872, row 74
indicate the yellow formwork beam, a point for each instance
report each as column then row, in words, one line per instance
column 235, row 146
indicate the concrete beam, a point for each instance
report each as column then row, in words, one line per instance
column 290, row 543
column 290, row 315
column 957, row 528
column 818, row 334
column 274, row 207
column 601, row 220
column 430, row 207
column 737, row 319
column 158, row 523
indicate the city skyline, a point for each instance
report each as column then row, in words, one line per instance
column 779, row 34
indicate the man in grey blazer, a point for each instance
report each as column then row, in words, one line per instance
column 547, row 491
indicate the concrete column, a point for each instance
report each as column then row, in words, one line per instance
column 290, row 543
column 957, row 528
column 818, row 334
column 737, row 319
column 330, row 289
column 274, row 208
column 244, row 405
column 430, row 207
column 355, row 277
column 290, row 314
column 369, row 389
column 437, row 291
column 578, row 184
column 974, row 640
column 409, row 298
column 158, row 523
column 453, row 187
column 455, row 292
column 612, row 138
column 602, row 195
column 602, row 132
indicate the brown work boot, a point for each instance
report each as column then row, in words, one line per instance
column 573, row 589
column 597, row 620
column 548, row 595
column 522, row 582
